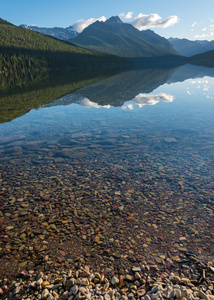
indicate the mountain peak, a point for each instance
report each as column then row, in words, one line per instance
column 118, row 38
column 115, row 20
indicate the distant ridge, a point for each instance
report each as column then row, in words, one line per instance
column 118, row 38
column 189, row 48
column 58, row 32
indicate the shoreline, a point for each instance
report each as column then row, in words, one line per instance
column 188, row 279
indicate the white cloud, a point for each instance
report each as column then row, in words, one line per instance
column 80, row 25
column 208, row 30
column 126, row 16
column 142, row 21
column 200, row 36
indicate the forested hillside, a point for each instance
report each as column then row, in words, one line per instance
column 22, row 50
column 4, row 22
column 204, row 59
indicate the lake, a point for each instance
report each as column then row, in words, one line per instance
column 114, row 173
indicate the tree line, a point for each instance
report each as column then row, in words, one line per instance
column 22, row 51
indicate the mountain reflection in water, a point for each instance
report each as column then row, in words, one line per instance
column 117, row 170
column 131, row 85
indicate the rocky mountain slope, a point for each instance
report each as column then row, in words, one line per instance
column 116, row 37
column 58, row 32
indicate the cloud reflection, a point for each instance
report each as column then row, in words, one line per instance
column 140, row 100
column 143, row 99
column 88, row 103
column 202, row 85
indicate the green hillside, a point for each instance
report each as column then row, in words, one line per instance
column 22, row 50
column 4, row 22
column 118, row 38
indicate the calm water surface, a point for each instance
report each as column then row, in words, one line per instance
column 117, row 172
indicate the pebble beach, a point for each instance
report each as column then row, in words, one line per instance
column 191, row 279
column 108, row 203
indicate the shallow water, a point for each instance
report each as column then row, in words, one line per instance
column 114, row 173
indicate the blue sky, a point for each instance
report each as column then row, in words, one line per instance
column 192, row 19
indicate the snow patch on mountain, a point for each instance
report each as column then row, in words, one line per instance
column 58, row 32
